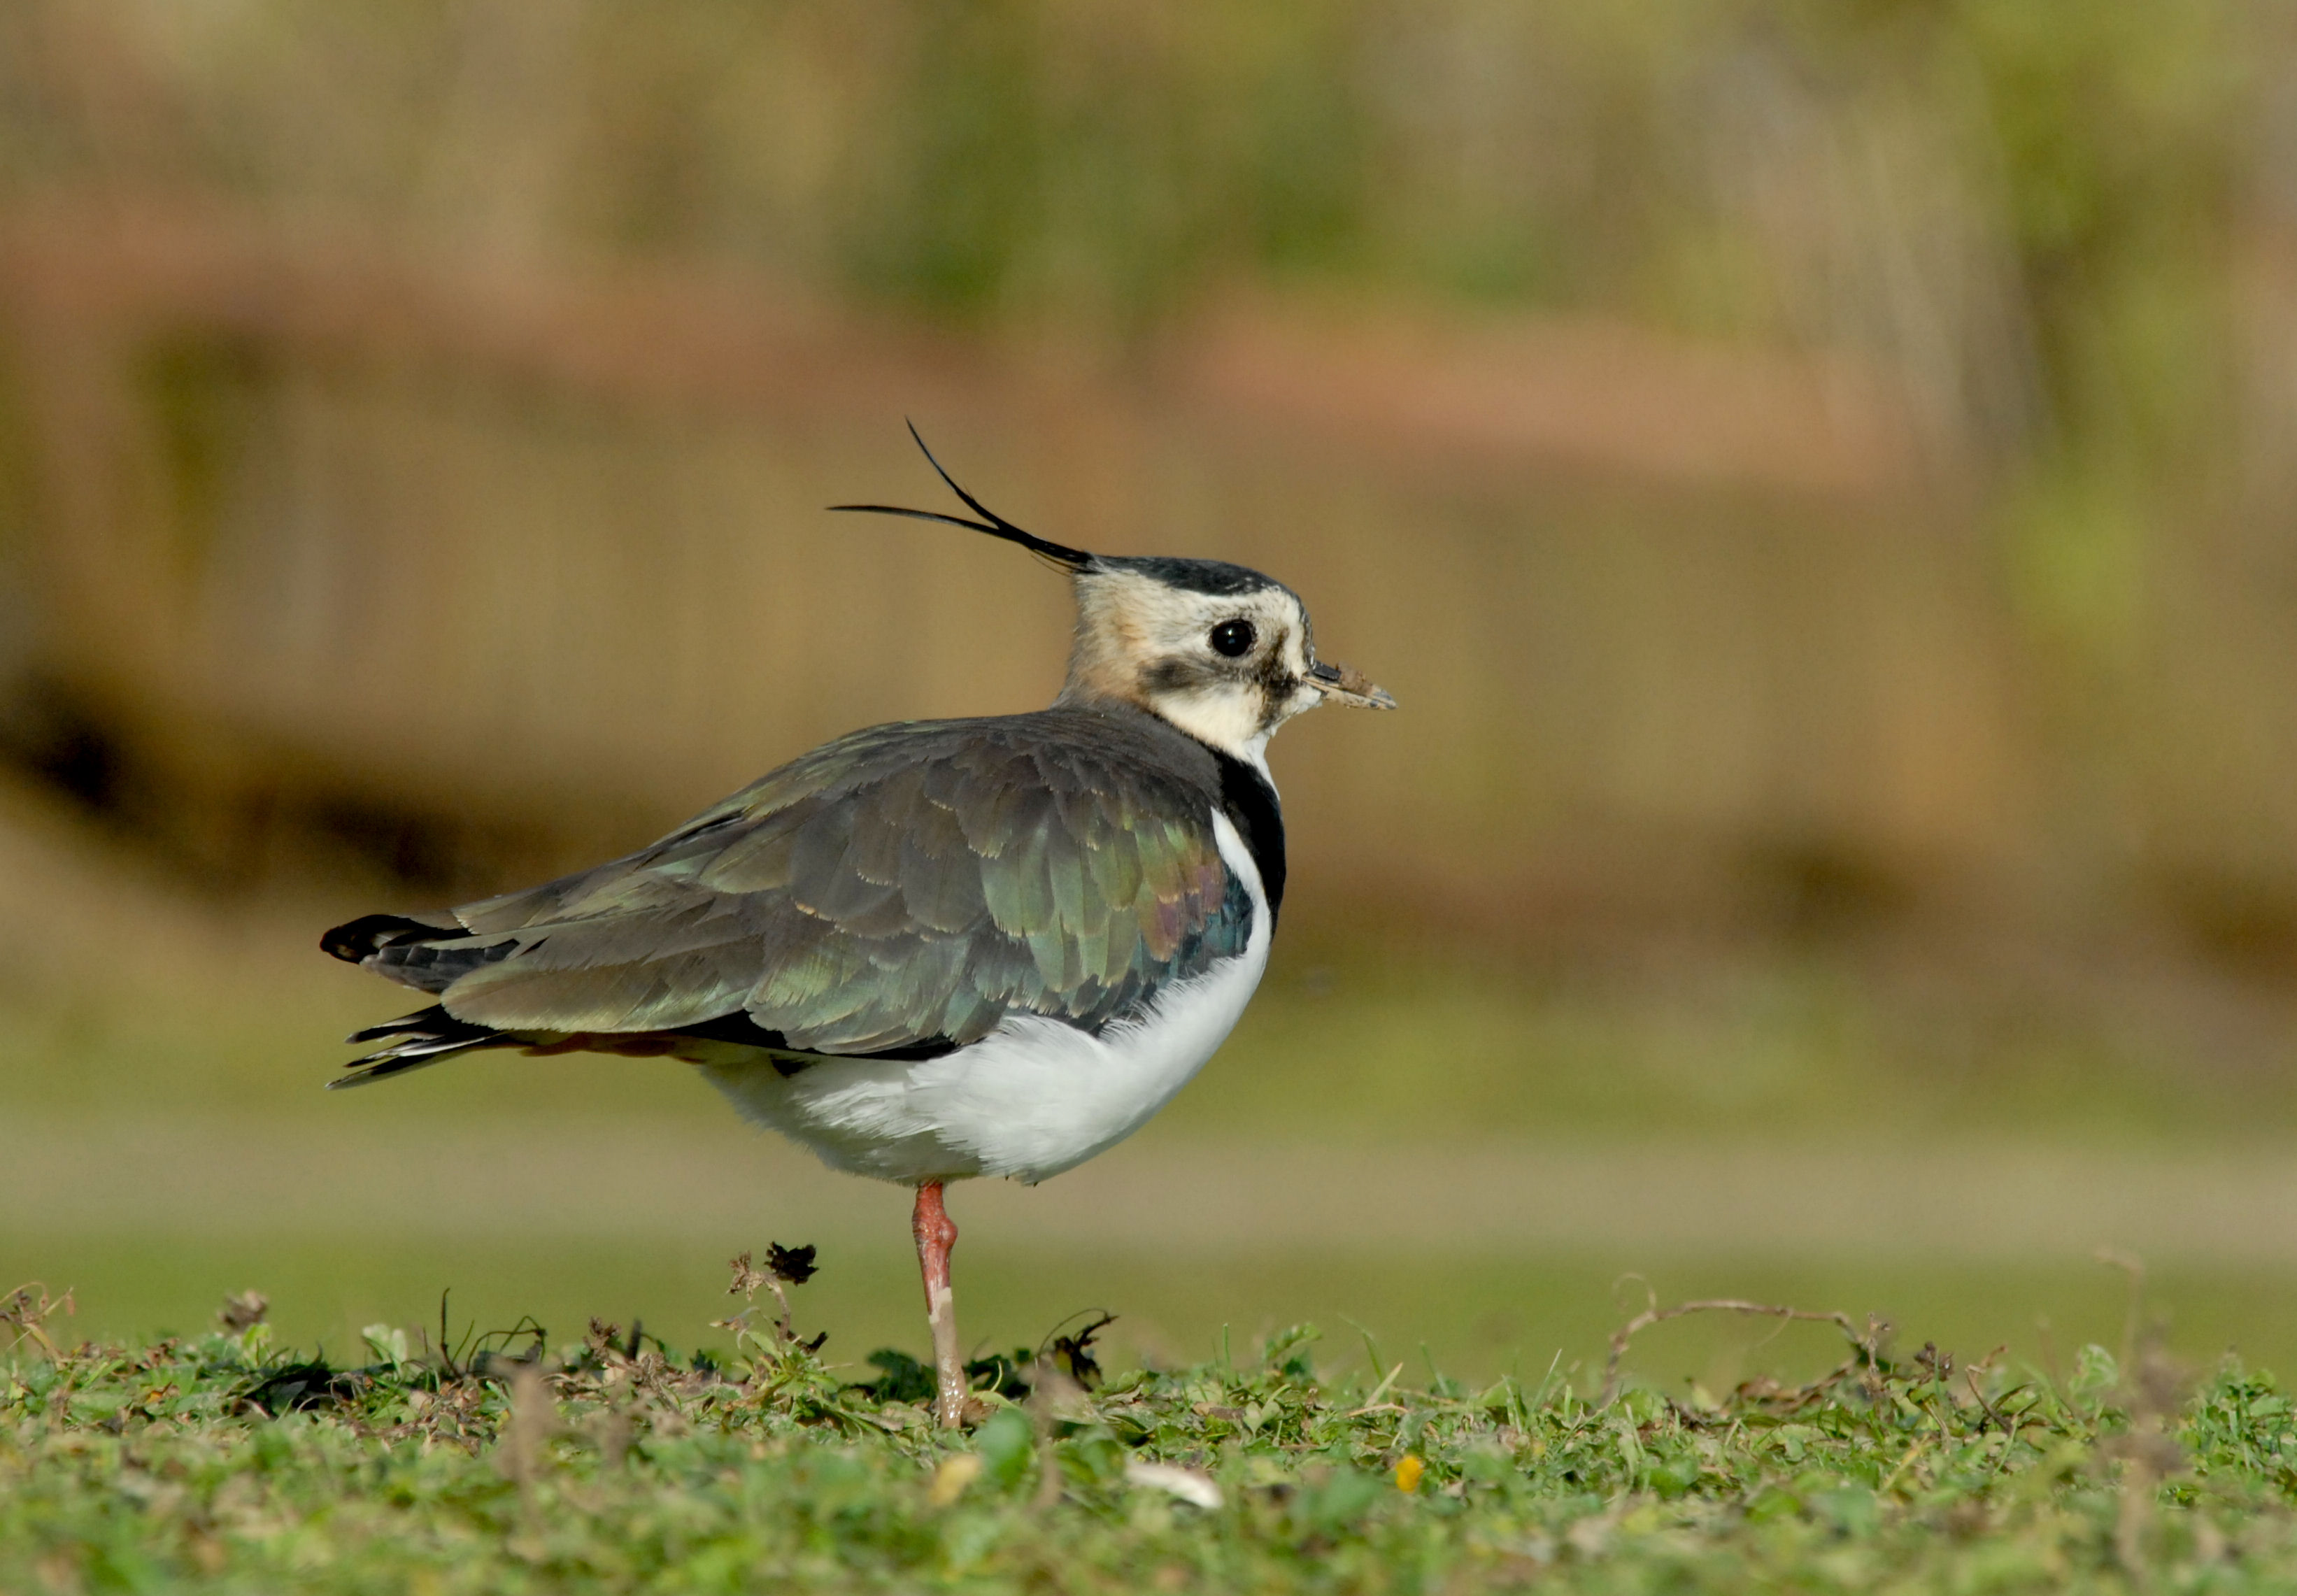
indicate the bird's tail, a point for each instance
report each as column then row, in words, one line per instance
column 423, row 1038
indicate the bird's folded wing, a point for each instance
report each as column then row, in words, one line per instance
column 906, row 884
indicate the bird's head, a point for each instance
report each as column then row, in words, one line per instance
column 1223, row 653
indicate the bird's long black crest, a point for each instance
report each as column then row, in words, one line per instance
column 991, row 521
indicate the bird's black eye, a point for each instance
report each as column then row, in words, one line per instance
column 1232, row 638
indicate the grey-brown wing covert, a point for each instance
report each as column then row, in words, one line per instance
column 905, row 885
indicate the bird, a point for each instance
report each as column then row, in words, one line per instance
column 935, row 950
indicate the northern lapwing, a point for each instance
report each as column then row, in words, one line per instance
column 939, row 949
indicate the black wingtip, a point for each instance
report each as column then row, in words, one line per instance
column 1071, row 560
column 354, row 942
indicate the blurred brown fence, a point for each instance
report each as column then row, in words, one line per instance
column 510, row 564
column 1776, row 465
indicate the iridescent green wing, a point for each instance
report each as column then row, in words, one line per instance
column 903, row 886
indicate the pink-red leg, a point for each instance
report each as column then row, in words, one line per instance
column 936, row 1235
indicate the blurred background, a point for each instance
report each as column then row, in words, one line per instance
column 1821, row 480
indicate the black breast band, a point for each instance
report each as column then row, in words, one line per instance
column 1248, row 799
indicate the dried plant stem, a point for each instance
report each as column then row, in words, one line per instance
column 1863, row 1340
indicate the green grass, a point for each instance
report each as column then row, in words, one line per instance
column 221, row 1463
column 1476, row 1316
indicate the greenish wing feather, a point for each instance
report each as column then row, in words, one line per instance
column 905, row 884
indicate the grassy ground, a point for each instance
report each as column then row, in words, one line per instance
column 1940, row 1156
column 1474, row 1318
column 221, row 1463
column 1470, row 1160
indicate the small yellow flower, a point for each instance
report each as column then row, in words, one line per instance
column 951, row 1479
column 1407, row 1470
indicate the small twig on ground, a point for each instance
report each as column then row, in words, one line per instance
column 1864, row 1342
column 533, row 1419
column 1074, row 1354
column 2149, row 1450
column 1054, row 1396
column 2133, row 1319
column 1988, row 1412
column 1373, row 1403
column 27, row 1308
column 791, row 1265
column 446, row 1342
column 242, row 1311
column 483, row 1358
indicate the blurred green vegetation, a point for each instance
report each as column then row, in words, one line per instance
column 1340, row 1047
column 2062, row 241
column 1108, row 161
column 2052, row 895
column 1109, row 164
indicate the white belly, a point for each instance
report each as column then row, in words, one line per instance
column 1032, row 1099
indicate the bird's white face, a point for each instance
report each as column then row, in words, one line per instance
column 1226, row 667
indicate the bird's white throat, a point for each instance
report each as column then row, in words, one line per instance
column 1221, row 722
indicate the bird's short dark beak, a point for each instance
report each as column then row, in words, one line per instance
column 1340, row 685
